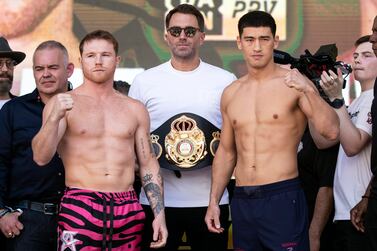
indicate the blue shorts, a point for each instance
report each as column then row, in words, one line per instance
column 270, row 217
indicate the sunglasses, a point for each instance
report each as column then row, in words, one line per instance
column 189, row 31
column 9, row 63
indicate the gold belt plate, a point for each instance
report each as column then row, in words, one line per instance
column 185, row 144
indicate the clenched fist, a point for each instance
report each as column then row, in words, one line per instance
column 63, row 102
column 294, row 79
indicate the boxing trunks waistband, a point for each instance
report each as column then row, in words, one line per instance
column 262, row 191
column 185, row 142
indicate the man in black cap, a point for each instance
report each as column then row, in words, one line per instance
column 8, row 59
column 30, row 195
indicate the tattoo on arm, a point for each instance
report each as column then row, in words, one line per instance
column 147, row 178
column 144, row 146
column 154, row 193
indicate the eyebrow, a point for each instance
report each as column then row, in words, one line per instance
column 48, row 66
column 257, row 37
column 363, row 52
column 97, row 52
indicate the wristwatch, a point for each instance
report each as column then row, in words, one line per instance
column 337, row 103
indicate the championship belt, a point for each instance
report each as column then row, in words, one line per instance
column 190, row 142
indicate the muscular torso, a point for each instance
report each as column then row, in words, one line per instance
column 267, row 124
column 97, row 148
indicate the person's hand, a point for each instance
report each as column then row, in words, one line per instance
column 212, row 219
column 160, row 232
column 62, row 104
column 332, row 84
column 10, row 225
column 294, row 79
column 358, row 213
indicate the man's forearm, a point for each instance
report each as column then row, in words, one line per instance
column 320, row 141
column 322, row 210
column 322, row 116
column 153, row 187
column 222, row 170
column 219, row 183
column 44, row 144
column 351, row 138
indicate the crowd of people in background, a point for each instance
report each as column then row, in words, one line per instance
column 113, row 166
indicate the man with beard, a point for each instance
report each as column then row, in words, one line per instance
column 8, row 59
column 182, row 96
column 29, row 196
column 97, row 131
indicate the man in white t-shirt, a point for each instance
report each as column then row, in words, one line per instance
column 353, row 172
column 8, row 59
column 183, row 100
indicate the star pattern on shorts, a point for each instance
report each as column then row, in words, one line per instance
column 68, row 240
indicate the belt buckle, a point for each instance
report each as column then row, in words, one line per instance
column 50, row 208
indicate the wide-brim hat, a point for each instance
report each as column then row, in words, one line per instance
column 6, row 52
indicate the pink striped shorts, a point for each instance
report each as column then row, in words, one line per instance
column 90, row 220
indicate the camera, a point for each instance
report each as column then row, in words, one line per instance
column 312, row 66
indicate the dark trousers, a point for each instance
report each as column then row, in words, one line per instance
column 2, row 241
column 270, row 217
column 328, row 236
column 39, row 233
column 370, row 223
column 191, row 221
column 347, row 238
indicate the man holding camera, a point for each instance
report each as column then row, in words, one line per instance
column 353, row 173
column 363, row 215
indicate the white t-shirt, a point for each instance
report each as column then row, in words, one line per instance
column 353, row 174
column 3, row 101
column 166, row 92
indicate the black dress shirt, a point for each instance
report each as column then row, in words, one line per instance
column 20, row 177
